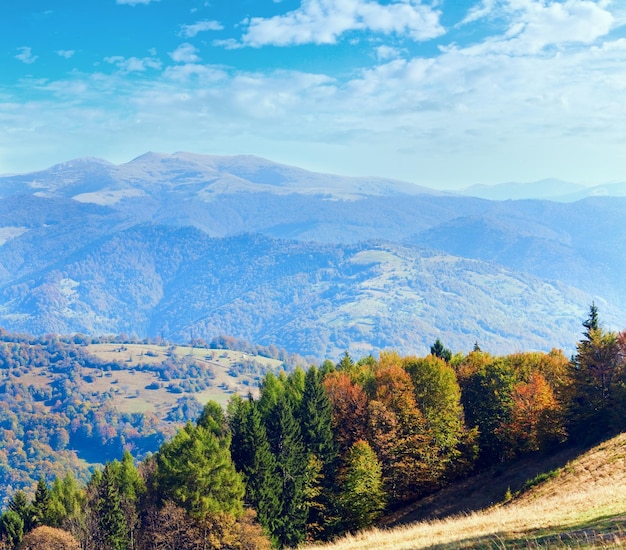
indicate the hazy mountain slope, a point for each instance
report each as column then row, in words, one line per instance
column 41, row 232
column 95, row 180
column 309, row 298
column 69, row 259
column 582, row 244
column 549, row 189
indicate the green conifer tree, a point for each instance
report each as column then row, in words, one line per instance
column 286, row 444
column 439, row 350
column 111, row 529
column 12, row 528
column 67, row 504
column 253, row 458
column 41, row 506
column 316, row 417
column 20, row 504
column 195, row 471
column 595, row 373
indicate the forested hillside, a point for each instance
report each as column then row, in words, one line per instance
column 313, row 299
column 329, row 449
column 69, row 404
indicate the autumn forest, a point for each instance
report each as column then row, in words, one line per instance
column 313, row 453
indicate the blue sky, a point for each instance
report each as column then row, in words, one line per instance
column 442, row 93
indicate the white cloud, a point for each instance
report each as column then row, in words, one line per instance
column 572, row 21
column 325, row 21
column 65, row 53
column 479, row 11
column 385, row 52
column 189, row 31
column 133, row 64
column 518, row 105
column 534, row 25
column 134, row 2
column 26, row 55
column 185, row 53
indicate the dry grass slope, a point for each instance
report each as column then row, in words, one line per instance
column 582, row 505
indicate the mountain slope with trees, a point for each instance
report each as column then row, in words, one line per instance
column 316, row 300
column 156, row 247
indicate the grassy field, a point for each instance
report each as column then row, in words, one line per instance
column 218, row 364
column 579, row 505
column 137, row 390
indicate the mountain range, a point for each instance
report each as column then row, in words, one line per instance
column 192, row 246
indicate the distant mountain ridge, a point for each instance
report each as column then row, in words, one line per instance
column 547, row 189
column 187, row 245
column 96, row 180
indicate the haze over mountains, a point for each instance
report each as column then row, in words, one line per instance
column 549, row 189
column 186, row 245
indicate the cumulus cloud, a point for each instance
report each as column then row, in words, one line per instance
column 26, row 55
column 65, row 53
column 325, row 21
column 185, row 53
column 133, row 64
column 189, row 31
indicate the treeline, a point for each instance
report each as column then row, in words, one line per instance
column 330, row 449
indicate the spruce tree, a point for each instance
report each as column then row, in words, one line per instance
column 316, row 417
column 12, row 527
column 286, row 444
column 439, row 350
column 41, row 506
column 20, row 504
column 596, row 375
column 112, row 531
column 592, row 322
column 252, row 457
